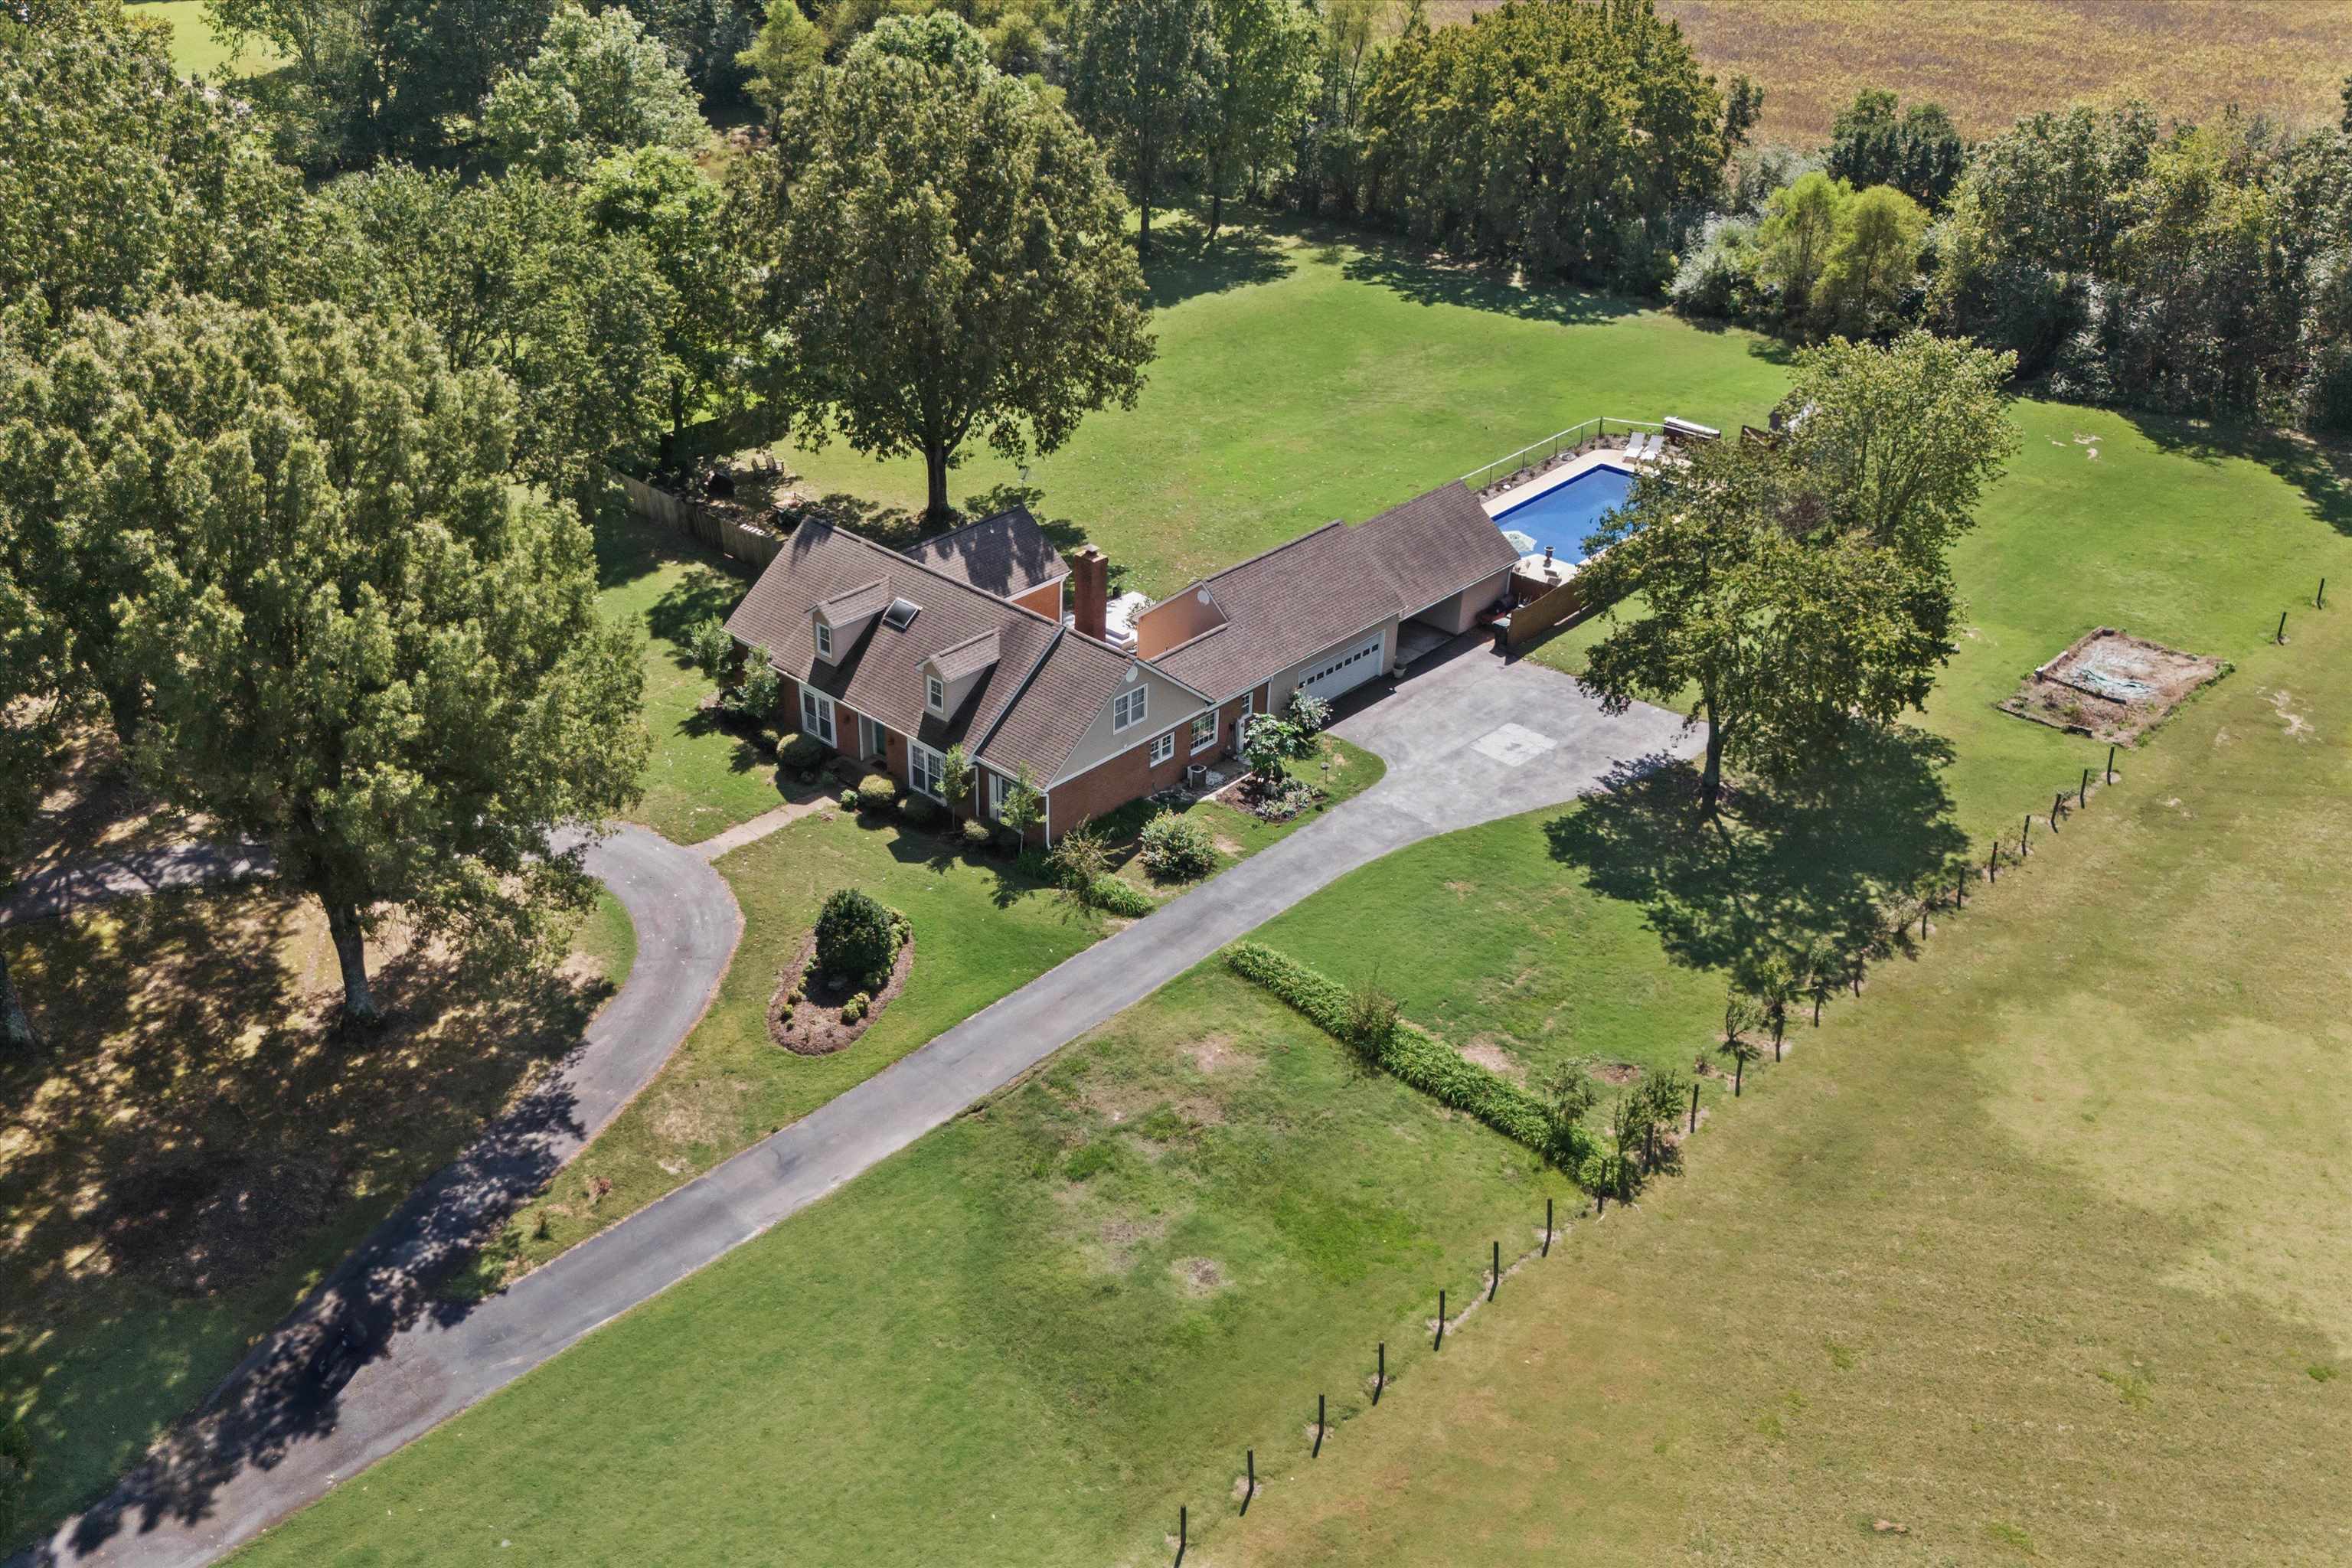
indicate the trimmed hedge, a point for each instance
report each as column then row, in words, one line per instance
column 1120, row 898
column 876, row 791
column 1410, row 1054
column 802, row 753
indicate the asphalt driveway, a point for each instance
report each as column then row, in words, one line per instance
column 1467, row 739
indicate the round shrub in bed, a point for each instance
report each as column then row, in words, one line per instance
column 1177, row 848
column 876, row 791
column 977, row 835
column 856, row 937
column 921, row 810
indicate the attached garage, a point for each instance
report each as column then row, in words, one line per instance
column 1346, row 669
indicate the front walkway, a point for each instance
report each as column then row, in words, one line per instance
column 1468, row 740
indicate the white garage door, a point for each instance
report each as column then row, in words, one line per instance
column 1344, row 670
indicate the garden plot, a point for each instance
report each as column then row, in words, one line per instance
column 2111, row 687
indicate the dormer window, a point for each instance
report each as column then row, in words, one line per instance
column 935, row 694
column 823, row 640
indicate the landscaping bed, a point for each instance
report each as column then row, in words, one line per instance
column 2111, row 687
column 804, row 1017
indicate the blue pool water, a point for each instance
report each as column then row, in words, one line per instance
column 1564, row 514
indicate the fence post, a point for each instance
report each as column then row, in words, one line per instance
column 1381, row 1373
column 1183, row 1522
column 1494, row 1272
column 1440, row 1342
column 2057, row 804
column 1694, row 1120
column 2025, row 835
column 2321, row 602
column 2084, row 796
column 1319, row 1428
column 1546, row 1247
column 2282, row 631
column 1249, row 1492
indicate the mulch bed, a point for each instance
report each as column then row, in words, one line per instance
column 2111, row 687
column 816, row 1028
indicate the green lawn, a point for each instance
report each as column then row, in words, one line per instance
column 1024, row 1340
column 703, row 777
column 195, row 48
column 1304, row 376
column 978, row 1357
column 2039, row 1252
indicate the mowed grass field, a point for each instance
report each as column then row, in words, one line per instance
column 2037, row 1252
column 990, row 1349
column 196, row 48
column 1990, row 63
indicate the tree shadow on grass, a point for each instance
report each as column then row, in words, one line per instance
column 1802, row 867
column 2322, row 472
column 1185, row 264
column 204, row 1141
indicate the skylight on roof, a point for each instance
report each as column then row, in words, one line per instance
column 901, row 615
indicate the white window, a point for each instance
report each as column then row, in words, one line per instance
column 1205, row 730
column 926, row 770
column 935, row 696
column 816, row 714
column 1163, row 748
column 823, row 640
column 1127, row 707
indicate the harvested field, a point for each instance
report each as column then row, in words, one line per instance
column 2111, row 687
column 1989, row 64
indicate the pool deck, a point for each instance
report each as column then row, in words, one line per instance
column 1552, row 479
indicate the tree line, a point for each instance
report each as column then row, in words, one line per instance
column 2184, row 269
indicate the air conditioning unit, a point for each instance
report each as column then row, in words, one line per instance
column 1196, row 775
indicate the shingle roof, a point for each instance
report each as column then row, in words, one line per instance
column 879, row 673
column 1299, row 599
column 865, row 599
column 1437, row 545
column 968, row 657
column 1006, row 554
column 1071, row 684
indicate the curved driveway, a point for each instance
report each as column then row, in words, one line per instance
column 276, row 1428
column 1466, row 741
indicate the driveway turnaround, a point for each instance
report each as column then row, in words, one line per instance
column 1466, row 739
column 271, row 1429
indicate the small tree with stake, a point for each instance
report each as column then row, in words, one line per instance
column 1568, row 1095
column 1740, row 1014
column 1770, row 983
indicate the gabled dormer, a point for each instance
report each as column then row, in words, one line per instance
column 840, row 621
column 950, row 675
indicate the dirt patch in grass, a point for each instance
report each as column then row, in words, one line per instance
column 1487, row 1052
column 1217, row 1054
column 1198, row 1276
column 812, row 1026
column 1617, row 1074
column 2111, row 687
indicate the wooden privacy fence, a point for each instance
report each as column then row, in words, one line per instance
column 1543, row 605
column 721, row 528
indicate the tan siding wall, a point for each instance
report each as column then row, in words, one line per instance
column 1169, row 705
column 1455, row 614
column 1180, row 620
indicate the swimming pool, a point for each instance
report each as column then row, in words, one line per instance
column 1564, row 515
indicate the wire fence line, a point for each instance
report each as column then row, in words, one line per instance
column 1552, row 446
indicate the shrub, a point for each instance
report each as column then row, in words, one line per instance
column 802, row 753
column 856, row 1007
column 1107, row 892
column 849, row 800
column 876, row 791
column 756, row 695
column 977, row 835
column 856, row 937
column 710, row 647
column 921, row 810
column 1373, row 1013
column 1413, row 1055
column 1079, row 859
column 1177, row 848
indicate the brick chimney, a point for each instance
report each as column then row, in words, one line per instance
column 1090, row 591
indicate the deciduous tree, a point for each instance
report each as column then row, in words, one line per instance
column 366, row 651
column 598, row 85
column 948, row 257
column 1873, row 263
column 1259, row 87
column 1142, row 81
